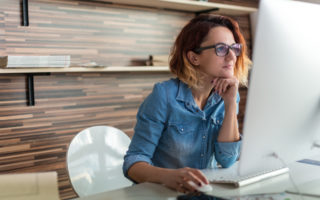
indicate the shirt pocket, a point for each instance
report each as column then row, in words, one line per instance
column 182, row 128
column 217, row 120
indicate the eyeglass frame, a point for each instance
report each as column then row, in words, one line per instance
column 198, row 50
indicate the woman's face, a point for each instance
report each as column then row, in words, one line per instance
column 209, row 62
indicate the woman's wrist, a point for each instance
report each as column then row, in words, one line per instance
column 230, row 106
column 158, row 175
column 161, row 175
column 144, row 172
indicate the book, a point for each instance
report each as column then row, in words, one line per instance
column 34, row 61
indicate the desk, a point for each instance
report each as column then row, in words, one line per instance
column 300, row 172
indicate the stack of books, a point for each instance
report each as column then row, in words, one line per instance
column 34, row 61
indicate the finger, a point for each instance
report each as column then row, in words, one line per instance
column 234, row 82
column 217, row 85
column 214, row 84
column 201, row 176
column 225, row 86
column 192, row 177
column 180, row 188
column 220, row 86
column 188, row 187
column 215, row 81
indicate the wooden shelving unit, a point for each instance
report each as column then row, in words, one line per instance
column 31, row 72
column 86, row 69
column 189, row 6
column 180, row 5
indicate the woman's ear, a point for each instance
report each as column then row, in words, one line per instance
column 193, row 58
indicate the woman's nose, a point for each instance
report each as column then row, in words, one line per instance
column 231, row 55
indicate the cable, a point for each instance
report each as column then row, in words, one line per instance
column 316, row 144
column 291, row 179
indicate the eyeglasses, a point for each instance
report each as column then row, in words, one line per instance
column 222, row 49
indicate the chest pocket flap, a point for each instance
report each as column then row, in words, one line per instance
column 182, row 128
column 217, row 120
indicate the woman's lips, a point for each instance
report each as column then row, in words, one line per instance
column 228, row 67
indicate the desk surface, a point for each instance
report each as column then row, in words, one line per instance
column 300, row 172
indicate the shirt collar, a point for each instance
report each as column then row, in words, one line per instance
column 213, row 98
column 185, row 95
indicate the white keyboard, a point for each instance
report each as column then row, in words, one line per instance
column 230, row 176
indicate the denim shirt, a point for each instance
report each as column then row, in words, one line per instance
column 172, row 132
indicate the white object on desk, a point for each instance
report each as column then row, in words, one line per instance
column 282, row 115
column 230, row 175
column 203, row 188
column 29, row 186
column 95, row 158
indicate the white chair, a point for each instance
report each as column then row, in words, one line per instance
column 95, row 158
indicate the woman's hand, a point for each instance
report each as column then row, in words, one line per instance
column 177, row 179
column 227, row 88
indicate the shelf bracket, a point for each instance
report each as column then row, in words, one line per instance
column 30, row 88
column 25, row 13
column 206, row 11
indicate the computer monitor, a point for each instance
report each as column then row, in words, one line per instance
column 283, row 105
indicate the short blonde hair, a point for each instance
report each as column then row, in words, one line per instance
column 191, row 37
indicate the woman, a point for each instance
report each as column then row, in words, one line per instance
column 190, row 123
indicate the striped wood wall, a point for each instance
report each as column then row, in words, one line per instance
column 89, row 31
column 34, row 139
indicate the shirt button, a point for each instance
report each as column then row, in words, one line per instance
column 204, row 137
column 218, row 121
column 202, row 155
column 181, row 129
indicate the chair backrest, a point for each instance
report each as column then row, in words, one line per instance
column 95, row 158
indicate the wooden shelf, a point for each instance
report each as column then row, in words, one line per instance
column 86, row 69
column 188, row 5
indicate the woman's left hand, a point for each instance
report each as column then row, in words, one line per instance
column 227, row 88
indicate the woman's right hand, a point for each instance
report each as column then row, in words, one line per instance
column 177, row 179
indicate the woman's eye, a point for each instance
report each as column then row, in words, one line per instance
column 221, row 49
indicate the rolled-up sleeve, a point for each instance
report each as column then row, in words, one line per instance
column 227, row 153
column 151, row 119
